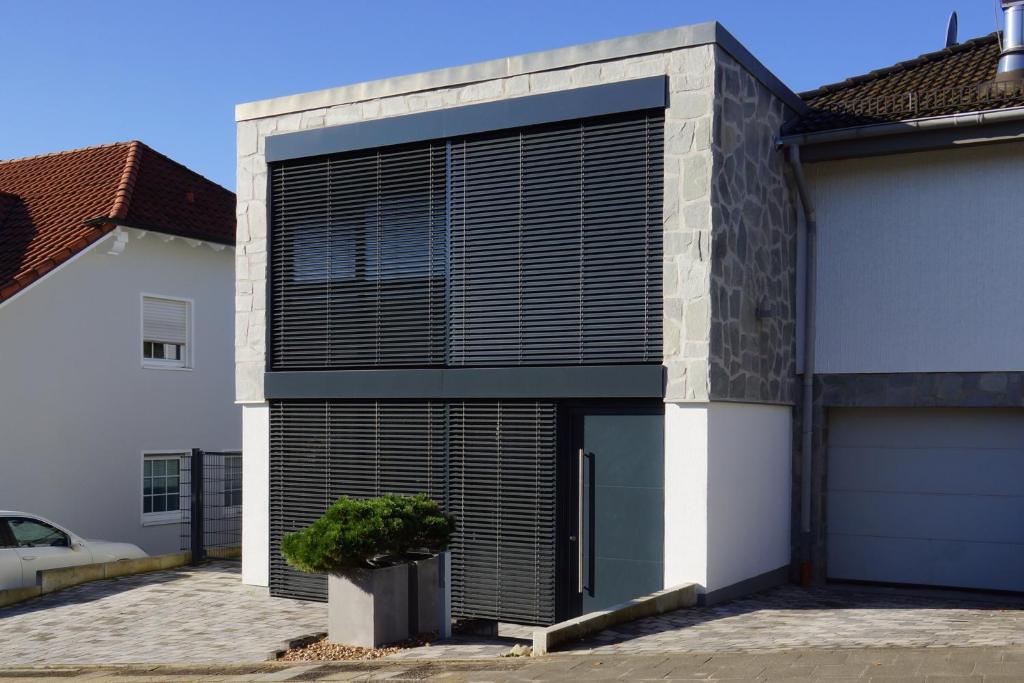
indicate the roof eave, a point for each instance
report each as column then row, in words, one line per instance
column 875, row 130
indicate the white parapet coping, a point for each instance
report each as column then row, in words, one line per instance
column 668, row 600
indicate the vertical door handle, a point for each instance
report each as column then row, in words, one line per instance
column 579, row 522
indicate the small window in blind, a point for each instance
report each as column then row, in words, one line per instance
column 166, row 339
column 358, row 259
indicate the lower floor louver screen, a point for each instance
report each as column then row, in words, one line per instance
column 491, row 464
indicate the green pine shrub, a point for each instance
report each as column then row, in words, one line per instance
column 369, row 533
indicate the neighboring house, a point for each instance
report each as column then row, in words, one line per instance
column 564, row 294
column 116, row 269
column 915, row 172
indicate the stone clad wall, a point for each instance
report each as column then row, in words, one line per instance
column 687, row 209
column 752, row 355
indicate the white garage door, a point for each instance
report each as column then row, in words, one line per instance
column 931, row 497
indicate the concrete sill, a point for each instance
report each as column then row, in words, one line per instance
column 53, row 580
column 668, row 600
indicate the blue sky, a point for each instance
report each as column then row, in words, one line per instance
column 170, row 73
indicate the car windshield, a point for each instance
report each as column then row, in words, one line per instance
column 29, row 533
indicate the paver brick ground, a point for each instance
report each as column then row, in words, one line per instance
column 924, row 665
column 790, row 617
column 194, row 614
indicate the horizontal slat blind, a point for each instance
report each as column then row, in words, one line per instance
column 502, row 491
column 556, row 244
column 358, row 259
column 164, row 320
column 498, row 459
column 321, row 450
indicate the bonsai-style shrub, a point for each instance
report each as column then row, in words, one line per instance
column 370, row 533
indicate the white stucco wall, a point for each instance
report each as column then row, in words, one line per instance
column 77, row 409
column 256, row 498
column 749, row 484
column 920, row 262
column 727, row 492
column 686, row 493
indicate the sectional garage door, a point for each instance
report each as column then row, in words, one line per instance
column 930, row 497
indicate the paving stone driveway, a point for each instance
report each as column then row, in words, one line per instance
column 195, row 615
column 789, row 618
column 921, row 665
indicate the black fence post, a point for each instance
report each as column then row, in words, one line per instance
column 197, row 471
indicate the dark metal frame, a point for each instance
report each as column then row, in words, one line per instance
column 593, row 381
column 206, row 526
column 568, row 602
column 564, row 105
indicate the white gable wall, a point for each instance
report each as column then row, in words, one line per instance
column 920, row 262
column 77, row 409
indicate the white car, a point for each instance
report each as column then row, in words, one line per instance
column 29, row 543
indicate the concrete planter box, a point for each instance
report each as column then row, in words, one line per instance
column 375, row 607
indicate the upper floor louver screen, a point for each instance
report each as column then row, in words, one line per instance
column 556, row 247
column 358, row 259
column 532, row 246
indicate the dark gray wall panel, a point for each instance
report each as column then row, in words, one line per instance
column 607, row 381
column 598, row 100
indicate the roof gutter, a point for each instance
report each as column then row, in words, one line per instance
column 877, row 130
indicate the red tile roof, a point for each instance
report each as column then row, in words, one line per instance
column 53, row 206
column 950, row 81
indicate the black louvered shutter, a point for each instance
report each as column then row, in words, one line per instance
column 321, row 450
column 499, row 483
column 358, row 256
column 502, row 491
column 556, row 244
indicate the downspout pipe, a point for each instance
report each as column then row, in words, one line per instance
column 807, row 400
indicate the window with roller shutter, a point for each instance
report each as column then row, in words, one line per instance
column 166, row 332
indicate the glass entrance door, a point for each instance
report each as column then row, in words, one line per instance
column 617, row 459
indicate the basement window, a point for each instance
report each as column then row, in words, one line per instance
column 161, row 487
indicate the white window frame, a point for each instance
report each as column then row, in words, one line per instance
column 174, row 516
column 187, row 362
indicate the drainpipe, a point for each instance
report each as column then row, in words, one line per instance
column 807, row 405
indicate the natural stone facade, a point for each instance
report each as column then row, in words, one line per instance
column 753, row 251
column 687, row 212
column 717, row 129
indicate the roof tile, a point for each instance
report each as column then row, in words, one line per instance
column 46, row 201
column 950, row 81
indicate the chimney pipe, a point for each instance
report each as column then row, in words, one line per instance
column 1011, row 60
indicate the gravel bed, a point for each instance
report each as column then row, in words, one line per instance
column 321, row 650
